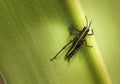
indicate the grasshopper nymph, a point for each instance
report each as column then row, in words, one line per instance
column 77, row 41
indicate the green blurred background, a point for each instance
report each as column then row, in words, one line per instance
column 32, row 31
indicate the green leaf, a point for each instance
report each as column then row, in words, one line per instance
column 32, row 32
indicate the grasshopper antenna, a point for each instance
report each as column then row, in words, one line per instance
column 90, row 24
column 86, row 21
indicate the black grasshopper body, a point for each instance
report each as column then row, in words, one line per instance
column 77, row 42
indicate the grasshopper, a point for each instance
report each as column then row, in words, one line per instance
column 77, row 41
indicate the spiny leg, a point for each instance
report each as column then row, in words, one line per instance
column 91, row 33
column 87, row 44
column 77, row 30
column 61, row 50
column 74, row 28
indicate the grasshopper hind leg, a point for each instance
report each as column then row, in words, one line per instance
column 61, row 50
